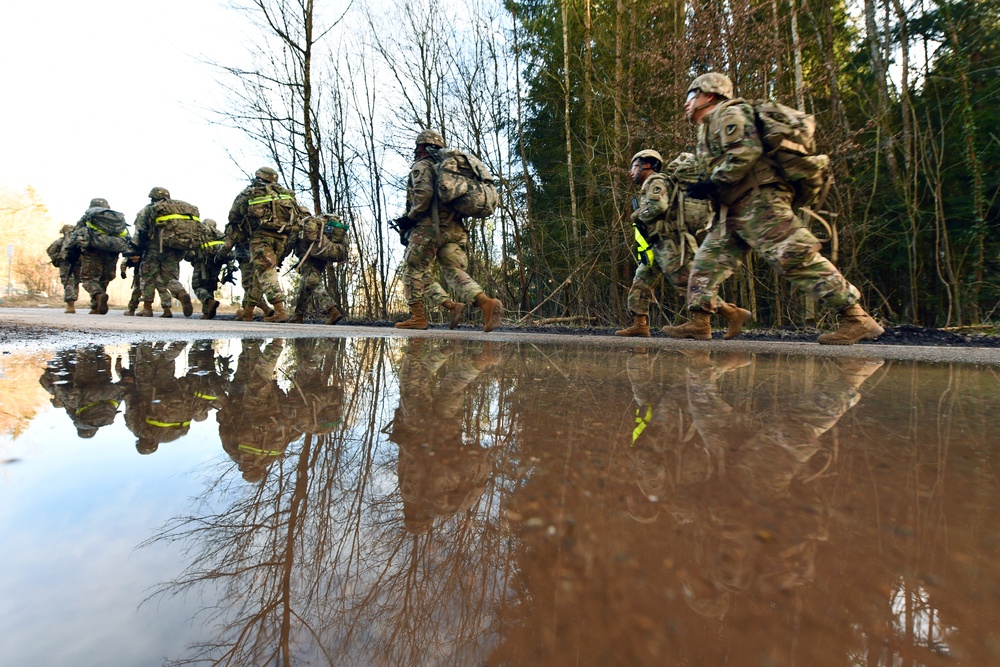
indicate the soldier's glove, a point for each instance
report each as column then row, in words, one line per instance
column 404, row 225
column 704, row 188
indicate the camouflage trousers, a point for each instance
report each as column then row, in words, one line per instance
column 133, row 301
column 205, row 281
column 764, row 221
column 264, row 253
column 160, row 274
column 311, row 287
column 70, row 280
column 97, row 269
column 450, row 252
column 672, row 258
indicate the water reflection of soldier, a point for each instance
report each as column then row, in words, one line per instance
column 80, row 382
column 439, row 473
column 158, row 408
column 206, row 379
column 747, row 521
column 254, row 424
column 317, row 397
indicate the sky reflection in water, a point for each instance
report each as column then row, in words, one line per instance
column 424, row 501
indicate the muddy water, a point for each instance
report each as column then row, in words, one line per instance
column 431, row 502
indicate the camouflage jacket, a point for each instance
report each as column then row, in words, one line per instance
column 237, row 228
column 145, row 227
column 731, row 150
column 420, row 187
column 655, row 199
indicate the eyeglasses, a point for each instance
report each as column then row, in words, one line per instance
column 692, row 94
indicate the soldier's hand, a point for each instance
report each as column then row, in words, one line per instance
column 704, row 188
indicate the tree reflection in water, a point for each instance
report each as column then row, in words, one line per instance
column 429, row 502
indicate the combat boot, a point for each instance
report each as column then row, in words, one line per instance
column 129, row 312
column 186, row 306
column 147, row 309
column 167, row 312
column 455, row 309
column 736, row 317
column 102, row 303
column 639, row 328
column 278, row 314
column 297, row 318
column 417, row 319
column 209, row 309
column 94, row 310
column 267, row 310
column 70, row 307
column 855, row 325
column 699, row 327
column 333, row 315
column 492, row 311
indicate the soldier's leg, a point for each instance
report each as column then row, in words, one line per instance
column 417, row 262
column 90, row 278
column 718, row 256
column 264, row 252
column 454, row 263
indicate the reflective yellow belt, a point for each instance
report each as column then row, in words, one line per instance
column 207, row 397
column 97, row 229
column 268, row 198
column 641, row 422
column 90, row 405
column 209, row 244
column 153, row 422
column 177, row 216
column 250, row 449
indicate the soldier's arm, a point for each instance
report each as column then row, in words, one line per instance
column 741, row 143
column 656, row 199
column 141, row 235
column 420, row 190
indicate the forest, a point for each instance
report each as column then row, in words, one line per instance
column 555, row 96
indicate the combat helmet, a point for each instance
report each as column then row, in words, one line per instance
column 430, row 138
column 267, row 175
column 649, row 155
column 159, row 193
column 713, row 82
column 99, row 202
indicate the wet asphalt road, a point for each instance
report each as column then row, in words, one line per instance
column 46, row 328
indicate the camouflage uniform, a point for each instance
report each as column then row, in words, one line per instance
column 267, row 248
column 67, row 259
column 160, row 269
column 672, row 241
column 97, row 270
column 207, row 263
column 159, row 408
column 425, row 245
column 312, row 288
column 756, row 213
column 80, row 382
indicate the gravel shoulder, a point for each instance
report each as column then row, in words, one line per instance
column 30, row 329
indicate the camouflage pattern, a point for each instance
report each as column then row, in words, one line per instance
column 430, row 138
column 160, row 274
column 317, row 402
column 448, row 247
column 97, row 269
column 758, row 216
column 206, row 379
column 765, row 222
column 312, row 289
column 158, row 408
column 158, row 193
column 267, row 175
column 265, row 252
column 207, row 262
column 672, row 240
column 69, row 278
column 713, row 82
column 99, row 202
column 440, row 474
column 254, row 425
column 80, row 382
column 648, row 153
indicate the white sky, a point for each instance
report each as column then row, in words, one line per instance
column 107, row 98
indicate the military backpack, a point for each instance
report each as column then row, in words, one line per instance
column 272, row 209
column 178, row 224
column 324, row 237
column 789, row 139
column 464, row 185
column 107, row 230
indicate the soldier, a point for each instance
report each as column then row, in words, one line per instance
column 160, row 267
column 207, row 262
column 97, row 264
column 315, row 255
column 757, row 207
column 80, row 382
column 668, row 228
column 437, row 233
column 265, row 214
column 158, row 408
column 132, row 261
column 67, row 260
column 241, row 251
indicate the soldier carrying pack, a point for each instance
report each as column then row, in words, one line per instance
column 103, row 229
column 178, row 224
column 464, row 184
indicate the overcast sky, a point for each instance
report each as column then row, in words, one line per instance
column 106, row 98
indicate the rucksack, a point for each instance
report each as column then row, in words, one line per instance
column 178, row 224
column 271, row 209
column 464, row 184
column 107, row 230
column 324, row 236
column 789, row 139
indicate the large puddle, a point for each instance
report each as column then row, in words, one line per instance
column 432, row 502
